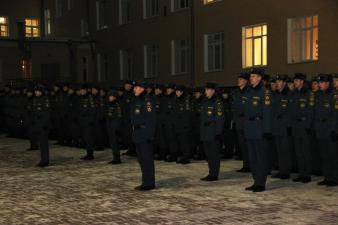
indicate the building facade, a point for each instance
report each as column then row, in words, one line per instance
column 166, row 41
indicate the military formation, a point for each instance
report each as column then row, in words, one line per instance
column 282, row 123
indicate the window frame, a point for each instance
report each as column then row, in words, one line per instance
column 121, row 13
column 122, row 57
column 175, row 50
column 47, row 22
column 290, row 56
column 31, row 27
column 208, row 2
column 206, row 53
column 253, row 38
column 174, row 9
column 153, row 74
column 6, row 25
column 145, row 7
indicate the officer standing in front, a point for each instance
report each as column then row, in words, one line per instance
column 143, row 121
column 41, row 123
column 257, row 129
column 211, row 127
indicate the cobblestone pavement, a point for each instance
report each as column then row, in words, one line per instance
column 75, row 192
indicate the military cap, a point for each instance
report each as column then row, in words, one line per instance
column 257, row 71
column 282, row 77
column 211, row 85
column 112, row 92
column 299, row 76
column 244, row 75
column 139, row 84
column 180, row 88
column 129, row 82
column 39, row 87
column 267, row 78
column 314, row 79
column 324, row 78
column 171, row 86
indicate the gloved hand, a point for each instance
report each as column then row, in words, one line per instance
column 267, row 136
column 309, row 131
column 334, row 136
column 289, row 131
column 218, row 137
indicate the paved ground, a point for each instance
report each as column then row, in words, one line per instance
column 75, row 192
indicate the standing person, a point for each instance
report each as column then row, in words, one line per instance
column 41, row 123
column 29, row 120
column 113, row 118
column 197, row 145
column 87, row 112
column 257, row 129
column 301, row 120
column 143, row 121
column 211, row 127
column 281, row 127
column 325, row 119
column 228, row 132
column 160, row 144
column 182, row 125
column 239, row 101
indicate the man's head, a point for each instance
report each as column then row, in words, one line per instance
column 256, row 75
column 299, row 80
column 210, row 90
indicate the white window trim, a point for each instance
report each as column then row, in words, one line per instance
column 99, row 67
column 145, row 11
column 172, row 9
column 145, row 61
column 47, row 17
column 205, row 2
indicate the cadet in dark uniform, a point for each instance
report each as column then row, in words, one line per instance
column 29, row 121
column 87, row 110
column 257, row 129
column 143, row 121
column 301, row 120
column 113, row 117
column 324, row 129
column 160, row 144
column 211, row 127
column 197, row 145
column 182, row 125
column 41, row 123
column 238, row 106
column 281, row 127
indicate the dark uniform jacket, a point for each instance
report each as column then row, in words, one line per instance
column 301, row 111
column 41, row 114
column 239, row 101
column 211, row 119
column 257, row 112
column 182, row 114
column 143, row 119
column 281, row 112
column 168, row 110
column 87, row 110
column 324, row 114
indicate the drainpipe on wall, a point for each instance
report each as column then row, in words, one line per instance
column 192, row 45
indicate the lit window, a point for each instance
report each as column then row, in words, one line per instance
column 32, row 28
column 303, row 39
column 179, row 4
column 126, row 65
column 125, row 11
column 151, row 61
column 180, row 56
column 255, row 45
column 4, row 27
column 150, row 8
column 210, row 1
column 214, row 52
column 47, row 22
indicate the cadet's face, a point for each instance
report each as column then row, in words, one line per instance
column 112, row 98
column 158, row 91
column 323, row 85
column 335, row 83
column 298, row 83
column 225, row 95
column 280, row 85
column 197, row 94
column 138, row 90
column 255, row 79
column 65, row 88
column 209, row 92
column 38, row 93
column 315, row 86
column 29, row 94
column 291, row 86
column 127, row 87
column 273, row 86
column 241, row 82
column 169, row 91
column 83, row 91
column 179, row 93
column 70, row 91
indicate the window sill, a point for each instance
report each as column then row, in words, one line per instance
column 179, row 10
column 211, row 3
column 304, row 62
column 180, row 74
column 151, row 17
column 214, row 71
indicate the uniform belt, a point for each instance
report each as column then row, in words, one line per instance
column 136, row 127
column 255, row 118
